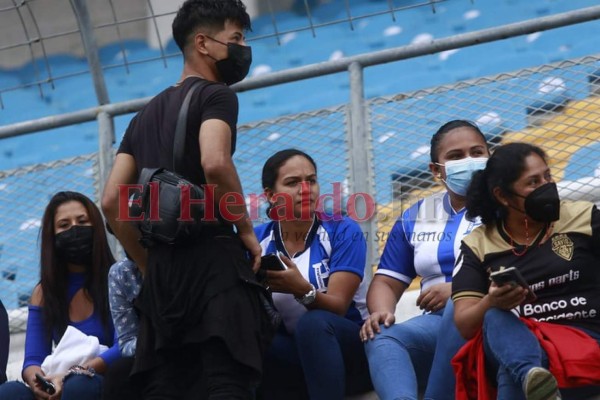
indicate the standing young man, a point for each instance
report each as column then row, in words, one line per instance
column 200, row 315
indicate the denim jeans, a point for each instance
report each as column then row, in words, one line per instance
column 77, row 387
column 326, row 350
column 441, row 383
column 408, row 357
column 511, row 350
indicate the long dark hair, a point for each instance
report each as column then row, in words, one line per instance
column 54, row 272
column 502, row 170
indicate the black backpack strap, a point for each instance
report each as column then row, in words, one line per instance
column 146, row 175
column 181, row 128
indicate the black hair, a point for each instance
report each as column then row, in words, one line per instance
column 54, row 271
column 503, row 169
column 208, row 14
column 436, row 139
column 270, row 170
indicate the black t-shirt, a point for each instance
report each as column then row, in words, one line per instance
column 150, row 135
column 563, row 271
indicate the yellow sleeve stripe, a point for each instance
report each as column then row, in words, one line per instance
column 467, row 294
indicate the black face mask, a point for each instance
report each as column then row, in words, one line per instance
column 75, row 245
column 236, row 66
column 543, row 204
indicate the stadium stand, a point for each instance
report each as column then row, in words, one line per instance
column 291, row 49
column 501, row 106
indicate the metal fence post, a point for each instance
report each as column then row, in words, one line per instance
column 361, row 172
column 106, row 138
column 91, row 49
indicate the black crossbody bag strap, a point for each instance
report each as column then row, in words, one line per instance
column 181, row 128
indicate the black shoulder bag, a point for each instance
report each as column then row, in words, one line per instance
column 161, row 217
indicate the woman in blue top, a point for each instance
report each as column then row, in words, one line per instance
column 321, row 294
column 405, row 358
column 75, row 259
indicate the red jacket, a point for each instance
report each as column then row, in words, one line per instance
column 574, row 359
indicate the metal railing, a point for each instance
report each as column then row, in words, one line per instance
column 374, row 146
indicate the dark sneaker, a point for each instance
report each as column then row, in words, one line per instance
column 540, row 384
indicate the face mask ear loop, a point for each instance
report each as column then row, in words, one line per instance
column 214, row 40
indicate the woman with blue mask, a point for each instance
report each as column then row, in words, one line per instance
column 407, row 358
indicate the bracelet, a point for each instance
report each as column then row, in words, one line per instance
column 79, row 370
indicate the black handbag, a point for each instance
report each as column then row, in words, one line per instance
column 160, row 206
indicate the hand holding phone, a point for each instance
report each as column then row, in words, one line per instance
column 272, row 262
column 511, row 275
column 46, row 385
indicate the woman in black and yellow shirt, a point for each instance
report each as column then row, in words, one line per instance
column 556, row 247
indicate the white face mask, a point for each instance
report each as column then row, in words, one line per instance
column 459, row 173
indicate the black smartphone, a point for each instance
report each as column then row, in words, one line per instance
column 512, row 275
column 272, row 262
column 46, row 385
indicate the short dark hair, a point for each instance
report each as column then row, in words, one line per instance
column 208, row 14
column 271, row 168
column 503, row 169
column 437, row 137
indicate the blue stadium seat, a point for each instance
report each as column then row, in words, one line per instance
column 9, row 80
column 135, row 50
column 552, row 95
column 584, row 163
column 554, row 44
column 23, row 104
column 332, row 11
column 401, row 77
column 413, row 172
column 586, row 46
column 497, row 62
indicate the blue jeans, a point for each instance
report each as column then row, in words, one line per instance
column 77, row 387
column 511, row 350
column 326, row 350
column 408, row 356
column 441, row 383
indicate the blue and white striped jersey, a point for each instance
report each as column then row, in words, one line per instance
column 331, row 246
column 425, row 241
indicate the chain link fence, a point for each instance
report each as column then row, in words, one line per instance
column 24, row 194
column 556, row 106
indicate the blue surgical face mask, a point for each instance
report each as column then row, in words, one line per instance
column 459, row 173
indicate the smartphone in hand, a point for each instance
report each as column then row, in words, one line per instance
column 511, row 275
column 272, row 262
column 46, row 385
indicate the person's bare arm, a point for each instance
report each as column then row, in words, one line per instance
column 469, row 312
column 124, row 172
column 219, row 170
column 383, row 295
column 341, row 287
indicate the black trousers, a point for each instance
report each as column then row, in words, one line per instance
column 117, row 383
column 200, row 371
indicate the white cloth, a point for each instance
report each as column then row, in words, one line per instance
column 74, row 348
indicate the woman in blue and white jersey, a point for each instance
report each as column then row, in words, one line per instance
column 321, row 294
column 424, row 242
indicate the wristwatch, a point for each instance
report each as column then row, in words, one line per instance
column 309, row 297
